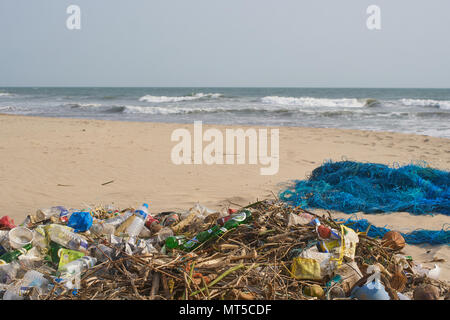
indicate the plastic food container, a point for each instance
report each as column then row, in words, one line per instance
column 20, row 236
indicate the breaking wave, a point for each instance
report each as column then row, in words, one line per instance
column 5, row 94
column 82, row 105
column 172, row 110
column 319, row 102
column 441, row 104
column 7, row 108
column 197, row 96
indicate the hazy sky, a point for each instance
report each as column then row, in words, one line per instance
column 295, row 43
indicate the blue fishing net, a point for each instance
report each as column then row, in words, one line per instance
column 418, row 236
column 350, row 187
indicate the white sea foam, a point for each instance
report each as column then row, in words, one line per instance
column 5, row 94
column 441, row 104
column 14, row 109
column 170, row 110
column 197, row 96
column 173, row 110
column 314, row 102
column 83, row 105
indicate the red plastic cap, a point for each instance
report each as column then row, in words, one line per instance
column 324, row 232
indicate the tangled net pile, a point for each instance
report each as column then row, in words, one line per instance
column 350, row 187
column 434, row 237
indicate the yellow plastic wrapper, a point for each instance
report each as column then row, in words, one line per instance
column 350, row 241
column 345, row 247
column 67, row 255
column 329, row 245
column 306, row 269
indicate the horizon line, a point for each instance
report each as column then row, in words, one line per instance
column 232, row 87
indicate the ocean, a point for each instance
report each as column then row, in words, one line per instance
column 420, row 111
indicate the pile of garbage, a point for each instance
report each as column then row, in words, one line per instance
column 266, row 250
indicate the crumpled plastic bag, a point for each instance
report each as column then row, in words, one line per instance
column 32, row 259
column 324, row 259
column 302, row 219
column 7, row 222
column 80, row 221
column 306, row 268
column 430, row 273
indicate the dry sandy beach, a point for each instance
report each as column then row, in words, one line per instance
column 55, row 161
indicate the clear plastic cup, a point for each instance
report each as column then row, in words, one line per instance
column 19, row 237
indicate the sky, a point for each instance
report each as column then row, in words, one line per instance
column 232, row 43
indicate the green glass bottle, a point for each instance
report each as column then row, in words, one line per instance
column 202, row 237
column 175, row 242
column 241, row 217
column 13, row 255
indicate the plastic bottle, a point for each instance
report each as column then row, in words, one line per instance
column 35, row 279
column 31, row 279
column 66, row 237
column 8, row 272
column 196, row 214
column 119, row 219
column 102, row 252
column 4, row 239
column 39, row 239
column 78, row 266
column 14, row 292
column 43, row 214
column 13, row 255
column 139, row 221
column 102, row 227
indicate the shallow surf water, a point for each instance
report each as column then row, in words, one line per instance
column 420, row 111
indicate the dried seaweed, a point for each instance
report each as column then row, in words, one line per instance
column 250, row 262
